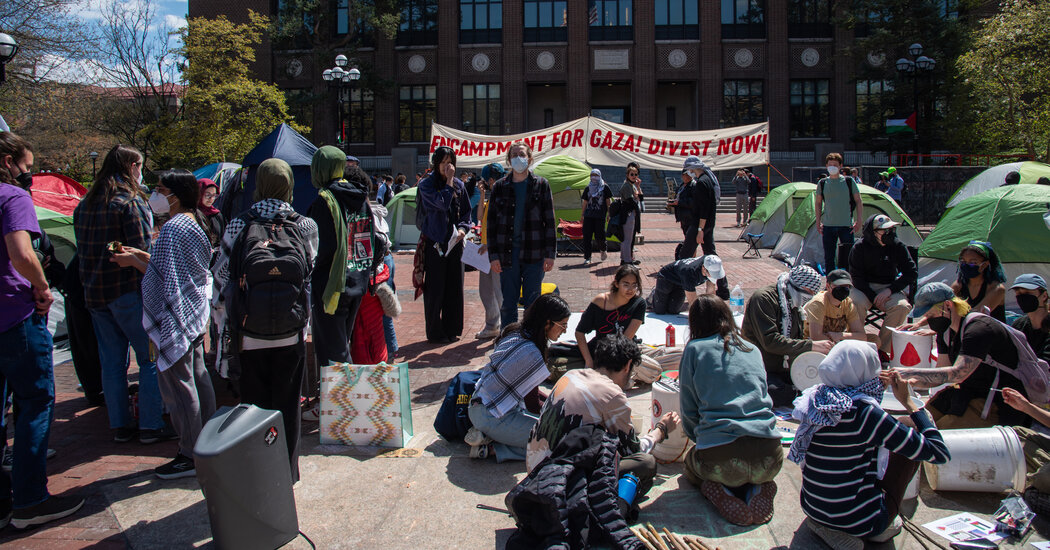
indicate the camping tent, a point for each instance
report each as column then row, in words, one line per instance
column 219, row 172
column 1010, row 217
column 776, row 208
column 55, row 197
column 996, row 176
column 401, row 217
column 283, row 143
column 568, row 177
column 800, row 243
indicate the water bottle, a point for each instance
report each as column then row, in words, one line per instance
column 628, row 488
column 736, row 300
column 669, row 336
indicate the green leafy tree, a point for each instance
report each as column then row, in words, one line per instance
column 1008, row 70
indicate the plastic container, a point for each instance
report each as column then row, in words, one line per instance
column 669, row 336
column 627, row 489
column 985, row 460
column 909, row 349
column 665, row 399
column 736, row 300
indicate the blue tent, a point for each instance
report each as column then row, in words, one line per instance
column 219, row 172
column 283, row 143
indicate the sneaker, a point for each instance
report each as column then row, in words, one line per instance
column 166, row 433
column 833, row 537
column 893, row 530
column 480, row 451
column 5, row 512
column 605, row 255
column 9, row 459
column 637, row 262
column 312, row 414
column 475, row 438
column 728, row 506
column 51, row 509
column 125, row 434
column 487, row 333
column 586, row 261
column 182, row 466
column 761, row 505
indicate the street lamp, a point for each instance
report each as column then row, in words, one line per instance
column 8, row 49
column 913, row 69
column 94, row 157
column 343, row 81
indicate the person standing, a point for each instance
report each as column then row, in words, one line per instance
column 836, row 199
column 631, row 200
column 741, row 182
column 214, row 221
column 754, row 187
column 521, row 238
column 489, row 283
column 114, row 210
column 443, row 220
column 684, row 204
column 705, row 203
column 26, row 364
column 596, row 200
column 895, row 185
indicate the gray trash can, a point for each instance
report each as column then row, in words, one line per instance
column 242, row 466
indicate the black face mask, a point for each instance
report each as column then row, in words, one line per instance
column 940, row 324
column 840, row 292
column 24, row 180
column 1028, row 302
column 969, row 270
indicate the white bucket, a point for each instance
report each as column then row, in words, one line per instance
column 984, row 460
column 909, row 349
column 665, row 399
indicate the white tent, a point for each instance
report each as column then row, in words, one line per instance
column 996, row 177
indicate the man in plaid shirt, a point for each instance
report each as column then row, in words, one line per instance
column 520, row 225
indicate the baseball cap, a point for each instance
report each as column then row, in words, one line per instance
column 928, row 296
column 1029, row 281
column 351, row 158
column 494, row 171
column 839, row 277
column 882, row 221
column 891, row 170
column 713, row 265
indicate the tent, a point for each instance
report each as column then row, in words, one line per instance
column 1009, row 217
column 401, row 217
column 995, row 177
column 776, row 208
column 219, row 172
column 55, row 197
column 800, row 243
column 568, row 177
column 283, row 143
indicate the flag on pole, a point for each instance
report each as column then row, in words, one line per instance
column 898, row 125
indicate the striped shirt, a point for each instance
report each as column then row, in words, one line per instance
column 841, row 467
column 515, row 368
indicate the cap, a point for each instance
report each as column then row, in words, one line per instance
column 928, row 296
column 839, row 277
column 891, row 170
column 351, row 158
column 713, row 265
column 494, row 171
column 884, row 174
column 1029, row 281
column 882, row 221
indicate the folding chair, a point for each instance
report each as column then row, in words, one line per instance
column 571, row 233
column 875, row 317
column 752, row 245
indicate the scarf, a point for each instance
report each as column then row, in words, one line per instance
column 594, row 188
column 850, row 374
column 325, row 168
column 274, row 180
column 208, row 211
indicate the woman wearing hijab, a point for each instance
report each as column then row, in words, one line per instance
column 596, row 200
column 837, row 445
column 213, row 218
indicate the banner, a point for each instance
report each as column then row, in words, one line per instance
column 599, row 142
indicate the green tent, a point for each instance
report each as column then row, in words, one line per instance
column 996, row 176
column 401, row 217
column 59, row 228
column 568, row 177
column 776, row 208
column 800, row 243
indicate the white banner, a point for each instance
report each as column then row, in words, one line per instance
column 599, row 142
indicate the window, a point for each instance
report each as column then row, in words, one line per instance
column 677, row 19
column 949, row 9
column 871, row 111
column 481, row 109
column 810, row 108
column 353, row 22
column 742, row 102
column 611, row 19
column 671, row 117
column 480, row 21
column 360, row 120
column 300, row 103
column 743, row 19
column 418, row 23
column 416, row 107
column 810, row 19
column 548, row 118
column 545, row 21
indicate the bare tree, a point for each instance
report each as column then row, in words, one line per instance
column 48, row 33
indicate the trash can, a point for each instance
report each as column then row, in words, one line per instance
column 242, row 466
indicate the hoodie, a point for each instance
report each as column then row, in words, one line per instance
column 871, row 262
column 350, row 199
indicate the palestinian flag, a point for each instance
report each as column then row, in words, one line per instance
column 897, row 125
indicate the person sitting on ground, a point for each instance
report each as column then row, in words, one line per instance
column 837, row 445
column 882, row 268
column 596, row 198
column 773, row 323
column 517, row 366
column 596, row 396
column 1036, row 446
column 1030, row 291
column 621, row 310
column 728, row 413
column 676, row 283
column 831, row 314
column 968, row 345
column 981, row 281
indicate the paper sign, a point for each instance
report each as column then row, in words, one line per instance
column 963, row 527
column 1041, row 545
column 473, row 257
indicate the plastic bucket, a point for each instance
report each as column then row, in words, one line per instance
column 909, row 349
column 665, row 399
column 985, row 460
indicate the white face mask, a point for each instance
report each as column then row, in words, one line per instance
column 519, row 164
column 833, row 170
column 158, row 202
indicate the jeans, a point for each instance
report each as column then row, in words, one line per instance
column 388, row 322
column 509, row 433
column 491, row 297
column 26, row 369
column 741, row 208
column 518, row 280
column 833, row 234
column 117, row 326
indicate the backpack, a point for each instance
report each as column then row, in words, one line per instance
column 452, row 421
column 849, row 181
column 269, row 268
column 1032, row 371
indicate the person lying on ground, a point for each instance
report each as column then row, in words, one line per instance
column 831, row 314
column 676, row 283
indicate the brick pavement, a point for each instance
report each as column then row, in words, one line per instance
column 87, row 457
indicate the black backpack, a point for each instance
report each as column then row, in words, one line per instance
column 269, row 271
column 849, row 184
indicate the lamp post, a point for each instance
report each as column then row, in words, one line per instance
column 343, row 81
column 94, row 157
column 912, row 69
column 8, row 49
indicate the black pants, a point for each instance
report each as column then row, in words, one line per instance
column 83, row 345
column 331, row 333
column 709, row 239
column 666, row 297
column 443, row 292
column 593, row 227
column 270, row 379
column 689, row 243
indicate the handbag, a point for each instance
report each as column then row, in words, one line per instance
column 365, row 405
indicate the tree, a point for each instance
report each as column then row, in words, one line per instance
column 225, row 113
column 1008, row 69
column 48, row 33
